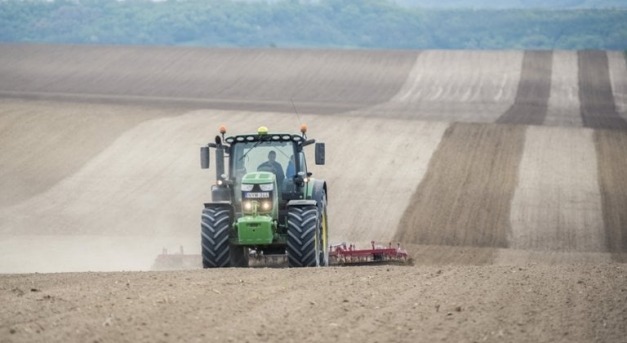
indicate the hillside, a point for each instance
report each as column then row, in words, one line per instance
column 502, row 173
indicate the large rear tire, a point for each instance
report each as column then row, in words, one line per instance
column 215, row 245
column 303, row 232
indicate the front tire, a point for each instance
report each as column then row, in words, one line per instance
column 215, row 245
column 303, row 232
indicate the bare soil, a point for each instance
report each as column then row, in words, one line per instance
column 45, row 142
column 617, row 63
column 563, row 107
column 611, row 147
column 517, row 231
column 232, row 79
column 539, row 303
column 557, row 203
column 112, row 194
column 598, row 109
column 464, row 199
column 534, row 90
column 468, row 86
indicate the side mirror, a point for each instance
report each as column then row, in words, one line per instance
column 319, row 153
column 204, row 157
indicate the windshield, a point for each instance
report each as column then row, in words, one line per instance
column 270, row 156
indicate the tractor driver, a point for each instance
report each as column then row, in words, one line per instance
column 290, row 172
column 274, row 166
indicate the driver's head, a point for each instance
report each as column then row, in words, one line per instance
column 272, row 155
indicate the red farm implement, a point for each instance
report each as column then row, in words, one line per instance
column 342, row 254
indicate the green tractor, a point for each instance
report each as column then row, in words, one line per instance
column 266, row 203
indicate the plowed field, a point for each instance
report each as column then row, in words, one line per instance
column 502, row 173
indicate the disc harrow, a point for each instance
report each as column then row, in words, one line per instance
column 343, row 254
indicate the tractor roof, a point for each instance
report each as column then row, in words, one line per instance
column 269, row 137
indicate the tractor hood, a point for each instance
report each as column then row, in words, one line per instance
column 259, row 194
column 256, row 178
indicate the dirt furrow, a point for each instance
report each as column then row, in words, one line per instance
column 611, row 147
column 617, row 63
column 464, row 199
column 598, row 109
column 534, row 90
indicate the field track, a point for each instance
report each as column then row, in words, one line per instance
column 534, row 90
column 612, row 173
column 502, row 172
column 469, row 204
column 598, row 108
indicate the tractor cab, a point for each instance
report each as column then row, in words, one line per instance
column 271, row 156
column 279, row 154
column 251, row 158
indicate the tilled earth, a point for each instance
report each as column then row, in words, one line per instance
column 460, row 303
column 502, row 173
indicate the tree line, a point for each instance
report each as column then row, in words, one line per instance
column 553, row 4
column 372, row 24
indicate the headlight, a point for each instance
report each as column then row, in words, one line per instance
column 266, row 187
column 248, row 205
column 247, row 187
column 266, row 205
